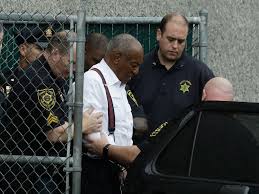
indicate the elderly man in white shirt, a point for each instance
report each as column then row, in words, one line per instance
column 95, row 96
column 121, row 62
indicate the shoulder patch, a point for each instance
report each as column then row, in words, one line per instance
column 157, row 130
column 47, row 98
column 52, row 119
column 131, row 95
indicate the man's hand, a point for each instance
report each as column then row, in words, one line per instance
column 92, row 121
column 95, row 146
column 140, row 125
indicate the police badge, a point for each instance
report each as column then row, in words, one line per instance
column 185, row 86
column 47, row 98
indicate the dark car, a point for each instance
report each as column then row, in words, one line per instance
column 213, row 149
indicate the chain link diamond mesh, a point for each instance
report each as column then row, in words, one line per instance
column 31, row 108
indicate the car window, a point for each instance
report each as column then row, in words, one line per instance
column 226, row 147
column 175, row 157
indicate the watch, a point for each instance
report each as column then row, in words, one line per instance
column 105, row 151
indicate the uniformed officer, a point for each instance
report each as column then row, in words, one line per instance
column 169, row 80
column 140, row 125
column 37, row 111
column 30, row 43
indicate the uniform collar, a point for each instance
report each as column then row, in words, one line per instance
column 157, row 64
column 43, row 62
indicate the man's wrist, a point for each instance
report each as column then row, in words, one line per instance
column 106, row 151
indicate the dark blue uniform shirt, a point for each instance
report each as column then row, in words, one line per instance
column 35, row 105
column 166, row 93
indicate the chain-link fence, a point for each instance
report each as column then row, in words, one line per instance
column 34, row 156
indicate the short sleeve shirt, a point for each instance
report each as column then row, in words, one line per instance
column 164, row 93
column 36, row 105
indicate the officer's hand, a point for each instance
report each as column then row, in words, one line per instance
column 140, row 125
column 92, row 121
column 95, row 145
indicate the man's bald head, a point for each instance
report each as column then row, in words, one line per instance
column 218, row 89
column 173, row 17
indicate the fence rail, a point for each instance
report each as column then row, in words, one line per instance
column 35, row 159
column 143, row 28
column 91, row 20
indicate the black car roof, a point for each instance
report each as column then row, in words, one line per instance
column 229, row 106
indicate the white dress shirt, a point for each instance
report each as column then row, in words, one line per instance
column 94, row 95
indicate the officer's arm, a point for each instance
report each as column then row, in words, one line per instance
column 92, row 122
column 59, row 134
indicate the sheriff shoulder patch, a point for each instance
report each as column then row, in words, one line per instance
column 52, row 119
column 131, row 95
column 157, row 130
column 47, row 98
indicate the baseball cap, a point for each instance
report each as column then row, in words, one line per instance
column 34, row 35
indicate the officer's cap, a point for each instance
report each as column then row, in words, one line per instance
column 34, row 35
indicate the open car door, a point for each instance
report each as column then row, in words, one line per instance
column 212, row 150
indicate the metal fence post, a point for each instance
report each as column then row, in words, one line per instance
column 70, row 110
column 203, row 43
column 77, row 148
column 140, row 27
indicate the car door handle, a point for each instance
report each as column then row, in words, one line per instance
column 234, row 189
